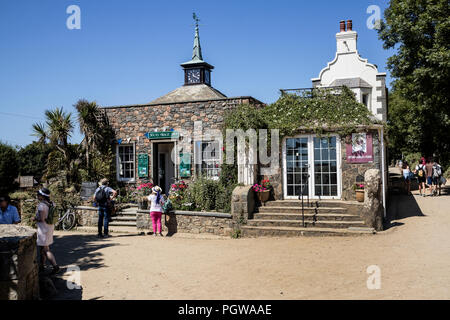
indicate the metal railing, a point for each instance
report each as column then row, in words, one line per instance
column 301, row 196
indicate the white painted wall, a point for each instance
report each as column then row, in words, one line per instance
column 348, row 64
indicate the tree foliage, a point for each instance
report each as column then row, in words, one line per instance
column 33, row 160
column 420, row 33
column 9, row 168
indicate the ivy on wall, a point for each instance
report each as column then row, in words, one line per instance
column 319, row 111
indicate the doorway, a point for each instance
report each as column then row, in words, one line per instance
column 311, row 165
column 164, row 170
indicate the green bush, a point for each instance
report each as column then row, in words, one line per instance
column 413, row 159
column 9, row 168
column 447, row 174
column 28, row 212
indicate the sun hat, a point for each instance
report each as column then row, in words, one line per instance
column 156, row 189
column 44, row 192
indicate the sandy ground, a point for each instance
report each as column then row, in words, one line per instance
column 413, row 256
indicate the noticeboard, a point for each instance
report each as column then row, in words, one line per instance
column 143, row 165
column 185, row 165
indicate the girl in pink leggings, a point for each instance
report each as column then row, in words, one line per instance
column 156, row 202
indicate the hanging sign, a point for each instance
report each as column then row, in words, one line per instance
column 185, row 165
column 163, row 135
column 360, row 150
column 143, row 165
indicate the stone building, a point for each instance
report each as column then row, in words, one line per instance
column 329, row 167
column 325, row 168
column 149, row 136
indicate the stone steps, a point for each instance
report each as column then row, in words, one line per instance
column 123, row 223
column 251, row 232
column 283, row 218
column 322, row 203
column 308, row 216
column 125, row 218
column 308, row 223
column 298, row 210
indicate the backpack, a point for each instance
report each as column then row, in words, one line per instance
column 101, row 197
column 52, row 217
column 437, row 171
column 421, row 171
column 167, row 206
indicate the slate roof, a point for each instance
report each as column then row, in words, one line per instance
column 190, row 93
column 350, row 83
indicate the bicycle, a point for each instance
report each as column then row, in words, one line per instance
column 67, row 220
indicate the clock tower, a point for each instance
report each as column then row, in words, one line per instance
column 197, row 71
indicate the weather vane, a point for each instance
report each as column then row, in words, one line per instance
column 196, row 19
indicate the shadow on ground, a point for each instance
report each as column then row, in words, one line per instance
column 75, row 250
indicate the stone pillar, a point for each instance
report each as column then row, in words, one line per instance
column 243, row 204
column 19, row 279
column 372, row 212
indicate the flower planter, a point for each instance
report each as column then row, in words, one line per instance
column 263, row 196
column 359, row 195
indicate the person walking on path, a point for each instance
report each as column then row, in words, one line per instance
column 437, row 178
column 407, row 177
column 421, row 176
column 103, row 197
column 429, row 170
column 45, row 228
column 156, row 209
column 8, row 213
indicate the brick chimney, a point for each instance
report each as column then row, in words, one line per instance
column 342, row 25
column 346, row 39
column 349, row 25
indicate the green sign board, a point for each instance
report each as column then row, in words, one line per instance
column 163, row 135
column 143, row 165
column 185, row 165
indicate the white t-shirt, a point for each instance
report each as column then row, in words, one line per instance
column 156, row 206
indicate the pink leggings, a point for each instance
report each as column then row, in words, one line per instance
column 156, row 220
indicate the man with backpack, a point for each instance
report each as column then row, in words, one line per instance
column 421, row 176
column 103, row 197
column 437, row 178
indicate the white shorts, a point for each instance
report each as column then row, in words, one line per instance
column 44, row 234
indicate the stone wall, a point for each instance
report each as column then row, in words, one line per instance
column 189, row 222
column 19, row 279
column 134, row 121
column 351, row 170
column 87, row 216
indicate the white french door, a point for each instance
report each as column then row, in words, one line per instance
column 312, row 164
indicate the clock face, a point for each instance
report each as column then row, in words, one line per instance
column 207, row 77
column 193, row 76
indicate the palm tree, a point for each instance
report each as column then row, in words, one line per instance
column 56, row 131
column 88, row 115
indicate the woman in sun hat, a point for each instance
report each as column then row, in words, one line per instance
column 156, row 200
column 45, row 230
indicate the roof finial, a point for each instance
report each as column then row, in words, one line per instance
column 197, row 52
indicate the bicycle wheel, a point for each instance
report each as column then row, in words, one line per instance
column 69, row 221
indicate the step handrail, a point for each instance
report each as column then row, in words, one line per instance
column 300, row 197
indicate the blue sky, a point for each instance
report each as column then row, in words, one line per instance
column 128, row 52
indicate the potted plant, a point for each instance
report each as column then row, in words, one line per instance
column 263, row 190
column 359, row 190
column 143, row 191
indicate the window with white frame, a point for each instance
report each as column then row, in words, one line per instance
column 208, row 158
column 125, row 162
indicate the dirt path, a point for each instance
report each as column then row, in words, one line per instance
column 413, row 255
